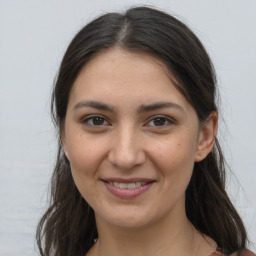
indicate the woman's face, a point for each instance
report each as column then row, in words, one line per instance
column 131, row 138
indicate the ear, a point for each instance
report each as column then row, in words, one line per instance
column 63, row 143
column 206, row 138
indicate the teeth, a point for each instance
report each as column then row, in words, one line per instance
column 123, row 185
column 131, row 185
column 127, row 185
column 138, row 184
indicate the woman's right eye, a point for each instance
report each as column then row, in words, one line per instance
column 95, row 121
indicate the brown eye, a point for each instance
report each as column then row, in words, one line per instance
column 160, row 121
column 96, row 121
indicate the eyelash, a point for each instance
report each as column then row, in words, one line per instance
column 91, row 118
column 167, row 120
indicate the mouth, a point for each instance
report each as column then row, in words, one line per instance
column 126, row 189
column 131, row 185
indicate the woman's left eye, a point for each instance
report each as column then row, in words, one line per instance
column 160, row 121
column 97, row 121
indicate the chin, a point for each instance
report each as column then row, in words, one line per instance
column 130, row 224
column 126, row 219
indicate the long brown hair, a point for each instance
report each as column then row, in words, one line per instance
column 68, row 226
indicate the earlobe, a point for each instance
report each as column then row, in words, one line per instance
column 66, row 154
column 65, row 151
column 206, row 138
column 63, row 143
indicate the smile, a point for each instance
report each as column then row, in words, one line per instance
column 128, row 189
column 127, row 185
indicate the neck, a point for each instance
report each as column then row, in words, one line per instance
column 166, row 238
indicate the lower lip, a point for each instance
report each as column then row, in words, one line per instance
column 126, row 193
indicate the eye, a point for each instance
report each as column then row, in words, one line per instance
column 95, row 121
column 160, row 121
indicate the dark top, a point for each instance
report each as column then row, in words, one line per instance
column 219, row 253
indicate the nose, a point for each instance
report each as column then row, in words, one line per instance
column 127, row 150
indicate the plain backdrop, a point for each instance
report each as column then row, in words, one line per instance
column 33, row 37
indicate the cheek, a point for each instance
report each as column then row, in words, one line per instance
column 178, row 151
column 174, row 159
column 85, row 158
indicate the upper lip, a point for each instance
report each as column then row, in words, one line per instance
column 127, row 180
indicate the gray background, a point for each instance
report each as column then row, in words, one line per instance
column 33, row 37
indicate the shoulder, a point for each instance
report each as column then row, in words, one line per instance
column 245, row 253
column 249, row 253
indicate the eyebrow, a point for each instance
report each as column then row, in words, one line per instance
column 141, row 109
column 159, row 105
column 94, row 104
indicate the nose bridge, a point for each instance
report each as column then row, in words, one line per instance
column 127, row 140
column 127, row 150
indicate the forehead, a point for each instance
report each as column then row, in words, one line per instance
column 107, row 62
column 117, row 74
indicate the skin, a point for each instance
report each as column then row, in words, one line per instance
column 160, row 144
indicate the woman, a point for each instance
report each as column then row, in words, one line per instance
column 139, row 169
